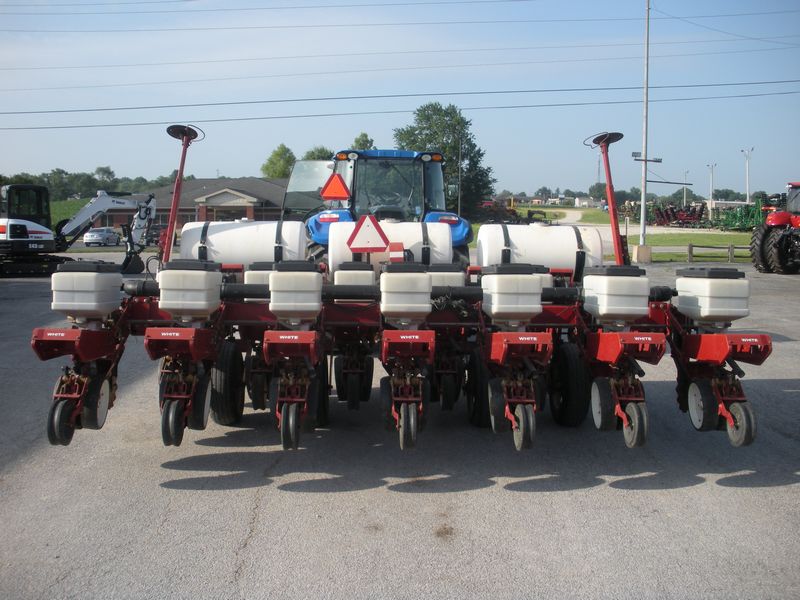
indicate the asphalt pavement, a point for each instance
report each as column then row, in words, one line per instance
column 230, row 515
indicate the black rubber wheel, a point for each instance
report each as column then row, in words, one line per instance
column 603, row 405
column 323, row 400
column 449, row 391
column 635, row 433
column 201, row 403
column 570, row 395
column 744, row 430
column 338, row 377
column 757, row 249
column 290, row 426
column 227, row 387
column 274, row 389
column 703, row 406
column 96, row 402
column 497, row 406
column 353, row 391
column 386, row 403
column 477, row 392
column 776, row 252
column 59, row 429
column 408, row 425
column 366, row 378
column 173, row 422
column 525, row 432
column 257, row 390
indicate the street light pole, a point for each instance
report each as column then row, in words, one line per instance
column 747, row 154
column 643, row 212
column 685, row 173
column 711, row 185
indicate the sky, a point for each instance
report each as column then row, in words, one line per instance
column 296, row 67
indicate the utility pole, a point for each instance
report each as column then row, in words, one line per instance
column 643, row 214
column 460, row 146
column 685, row 173
column 747, row 154
column 711, row 185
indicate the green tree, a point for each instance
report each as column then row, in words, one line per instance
column 279, row 164
column 318, row 153
column 363, row 142
column 543, row 192
column 106, row 177
column 598, row 190
column 445, row 129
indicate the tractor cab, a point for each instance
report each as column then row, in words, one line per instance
column 391, row 185
column 26, row 202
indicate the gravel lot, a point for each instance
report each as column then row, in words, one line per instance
column 231, row 515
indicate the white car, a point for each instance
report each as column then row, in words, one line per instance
column 101, row 236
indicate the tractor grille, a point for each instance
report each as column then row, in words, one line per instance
column 17, row 231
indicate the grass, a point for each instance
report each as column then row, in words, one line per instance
column 65, row 209
column 594, row 216
column 694, row 237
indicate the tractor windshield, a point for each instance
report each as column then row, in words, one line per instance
column 305, row 184
column 396, row 188
column 793, row 200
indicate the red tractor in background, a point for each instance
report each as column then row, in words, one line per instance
column 775, row 245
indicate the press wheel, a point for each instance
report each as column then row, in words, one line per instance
column 635, row 433
column 408, row 425
column 173, row 422
column 290, row 426
column 525, row 432
column 743, row 431
column 59, row 428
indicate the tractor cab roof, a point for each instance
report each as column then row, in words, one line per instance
column 387, row 153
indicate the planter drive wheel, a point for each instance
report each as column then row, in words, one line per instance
column 227, row 385
column 570, row 395
column 477, row 391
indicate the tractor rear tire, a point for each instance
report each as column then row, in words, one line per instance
column 227, row 385
column 776, row 252
column 757, row 248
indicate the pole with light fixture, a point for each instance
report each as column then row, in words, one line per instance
column 747, row 154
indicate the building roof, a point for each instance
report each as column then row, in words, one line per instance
column 268, row 192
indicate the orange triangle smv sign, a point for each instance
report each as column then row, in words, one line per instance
column 368, row 236
column 335, row 189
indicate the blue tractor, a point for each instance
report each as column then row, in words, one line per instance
column 394, row 185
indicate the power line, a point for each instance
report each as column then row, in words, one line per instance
column 391, row 112
column 717, row 30
column 384, row 53
column 28, row 4
column 392, row 24
column 266, row 8
column 407, row 95
column 377, row 70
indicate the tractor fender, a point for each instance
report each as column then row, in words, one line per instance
column 778, row 219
